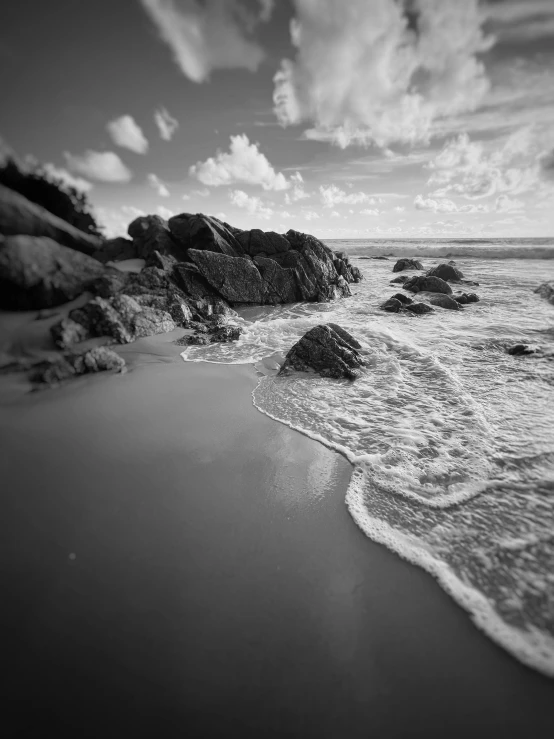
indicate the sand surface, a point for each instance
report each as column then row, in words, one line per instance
column 177, row 564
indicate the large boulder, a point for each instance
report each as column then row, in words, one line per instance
column 427, row 284
column 465, row 298
column 203, row 233
column 419, row 308
column 20, row 216
column 328, row 350
column 235, row 278
column 37, row 272
column 151, row 233
column 392, row 305
column 116, row 250
column 445, row 301
column 447, row 272
column 262, row 242
column 53, row 371
column 403, row 264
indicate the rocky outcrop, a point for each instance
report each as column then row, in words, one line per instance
column 419, row 308
column 403, row 264
column 19, row 216
column 267, row 243
column 116, row 250
column 69, row 365
column 204, row 233
column 328, row 350
column 447, row 272
column 151, row 233
column 445, row 301
column 546, row 291
column 427, row 284
column 37, row 272
column 465, row 298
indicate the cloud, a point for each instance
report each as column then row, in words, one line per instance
column 252, row 204
column 126, row 132
column 213, row 34
column 204, row 193
column 155, row 182
column 310, row 215
column 399, row 209
column 370, row 212
column 59, row 173
column 105, row 166
column 131, row 210
column 370, row 71
column 335, row 214
column 520, row 20
column 166, row 123
column 298, row 192
column 444, row 205
column 546, row 164
column 332, row 195
column 164, row 212
column 504, row 204
column 244, row 163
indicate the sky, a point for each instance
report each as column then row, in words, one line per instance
column 342, row 118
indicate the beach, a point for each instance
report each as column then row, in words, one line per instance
column 178, row 563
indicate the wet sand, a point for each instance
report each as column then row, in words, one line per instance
column 178, row 564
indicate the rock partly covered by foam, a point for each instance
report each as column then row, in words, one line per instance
column 428, row 284
column 445, row 301
column 419, row 308
column 328, row 350
column 395, row 303
column 546, row 291
column 465, row 298
column 54, row 371
column 447, row 272
column 403, row 264
column 19, row 216
column 36, row 272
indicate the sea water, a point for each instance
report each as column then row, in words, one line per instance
column 451, row 438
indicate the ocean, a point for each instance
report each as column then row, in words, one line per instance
column 451, row 439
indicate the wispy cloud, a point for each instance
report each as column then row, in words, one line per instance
column 104, row 166
column 166, row 123
column 126, row 132
column 59, row 173
column 159, row 186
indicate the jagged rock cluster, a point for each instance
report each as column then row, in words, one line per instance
column 328, row 350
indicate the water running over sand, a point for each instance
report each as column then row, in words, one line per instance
column 452, row 439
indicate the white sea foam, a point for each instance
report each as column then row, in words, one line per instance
column 451, row 438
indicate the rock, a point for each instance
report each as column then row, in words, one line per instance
column 403, row 264
column 151, row 233
column 170, row 302
column 465, row 298
column 19, row 216
column 419, row 308
column 110, row 283
column 235, row 278
column 162, row 261
column 427, row 284
column 445, row 301
column 546, row 291
column 327, row 349
column 116, row 250
column 36, row 272
column 195, row 339
column 203, row 233
column 98, row 359
column 392, row 305
column 267, row 242
column 518, row 350
column 400, row 279
column 404, row 299
column 447, row 272
column 68, row 332
column 225, row 334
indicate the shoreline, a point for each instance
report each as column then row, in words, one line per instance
column 219, row 580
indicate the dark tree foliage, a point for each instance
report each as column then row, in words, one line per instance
column 51, row 193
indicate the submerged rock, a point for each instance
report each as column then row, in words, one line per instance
column 37, row 272
column 546, row 291
column 424, row 283
column 403, row 264
column 98, row 359
column 329, row 350
column 224, row 334
column 447, row 272
column 392, row 305
column 445, row 301
column 419, row 308
column 400, row 279
column 404, row 299
column 518, row 350
column 465, row 298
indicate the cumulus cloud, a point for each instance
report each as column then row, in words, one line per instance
column 310, row 215
column 160, row 187
column 244, row 163
column 61, row 174
column 332, row 195
column 105, row 166
column 370, row 71
column 370, row 212
column 252, row 204
column 166, row 123
column 126, row 132
column 298, row 191
column 210, row 34
column 444, row 205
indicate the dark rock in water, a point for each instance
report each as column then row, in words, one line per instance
column 427, row 284
column 194, row 340
column 446, row 272
column 329, row 350
column 400, row 279
column 445, row 301
column 518, row 350
column 465, row 298
column 151, row 233
column 546, row 291
column 267, row 242
column 68, row 332
column 203, row 233
column 419, row 308
column 19, row 216
column 116, row 250
column 392, row 305
column 225, row 334
column 404, row 299
column 37, row 272
column 403, row 264
column 98, row 359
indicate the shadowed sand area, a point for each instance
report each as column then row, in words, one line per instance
column 178, row 564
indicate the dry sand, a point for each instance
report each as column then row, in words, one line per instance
column 178, row 564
